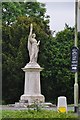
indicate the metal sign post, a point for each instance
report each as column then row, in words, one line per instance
column 78, row 17
column 76, row 73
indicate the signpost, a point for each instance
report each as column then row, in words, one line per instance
column 74, row 59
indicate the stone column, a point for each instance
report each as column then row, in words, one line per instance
column 32, row 88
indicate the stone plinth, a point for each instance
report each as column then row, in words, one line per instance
column 32, row 88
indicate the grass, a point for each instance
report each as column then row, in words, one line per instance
column 0, row 114
column 36, row 114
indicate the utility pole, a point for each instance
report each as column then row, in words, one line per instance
column 76, row 73
column 78, row 17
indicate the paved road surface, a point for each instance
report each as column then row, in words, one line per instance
column 6, row 107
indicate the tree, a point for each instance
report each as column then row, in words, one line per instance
column 64, row 76
column 11, row 10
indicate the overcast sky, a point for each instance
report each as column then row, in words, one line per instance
column 60, row 13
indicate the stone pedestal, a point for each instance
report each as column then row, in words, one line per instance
column 32, row 88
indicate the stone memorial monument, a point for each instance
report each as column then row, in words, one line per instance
column 32, row 88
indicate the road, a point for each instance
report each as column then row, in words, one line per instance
column 7, row 107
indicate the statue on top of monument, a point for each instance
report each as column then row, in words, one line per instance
column 33, row 46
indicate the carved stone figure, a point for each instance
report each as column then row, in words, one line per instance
column 32, row 87
column 33, row 46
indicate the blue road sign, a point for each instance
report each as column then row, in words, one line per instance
column 74, row 59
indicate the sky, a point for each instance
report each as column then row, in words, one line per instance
column 60, row 13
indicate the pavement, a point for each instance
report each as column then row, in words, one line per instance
column 12, row 107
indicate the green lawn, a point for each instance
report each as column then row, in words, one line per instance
column 36, row 114
column 0, row 114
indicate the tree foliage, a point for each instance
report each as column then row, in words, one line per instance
column 11, row 10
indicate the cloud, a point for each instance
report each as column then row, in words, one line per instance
column 60, row 13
